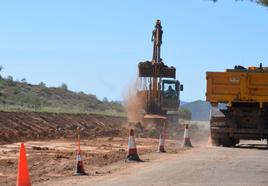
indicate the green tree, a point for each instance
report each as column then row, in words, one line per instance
column 10, row 81
column 64, row 86
column 10, row 78
column 23, row 80
column 105, row 100
column 1, row 68
column 42, row 84
column 261, row 2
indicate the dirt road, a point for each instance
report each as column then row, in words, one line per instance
column 244, row 165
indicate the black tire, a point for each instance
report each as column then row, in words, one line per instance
column 216, row 142
column 237, row 141
column 233, row 142
column 228, row 142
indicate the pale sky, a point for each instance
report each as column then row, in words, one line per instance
column 95, row 46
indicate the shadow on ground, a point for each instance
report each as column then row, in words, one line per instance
column 253, row 146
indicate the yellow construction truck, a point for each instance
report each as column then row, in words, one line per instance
column 244, row 91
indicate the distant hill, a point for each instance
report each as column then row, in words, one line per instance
column 22, row 96
column 183, row 103
column 200, row 110
column 16, row 95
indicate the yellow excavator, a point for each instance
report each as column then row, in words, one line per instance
column 159, row 91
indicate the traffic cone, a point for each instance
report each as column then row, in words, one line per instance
column 161, row 144
column 209, row 141
column 186, row 137
column 23, row 178
column 79, row 169
column 132, row 150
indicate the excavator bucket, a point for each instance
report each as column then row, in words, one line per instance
column 149, row 69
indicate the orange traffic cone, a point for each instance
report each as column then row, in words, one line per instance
column 79, row 169
column 186, row 137
column 23, row 178
column 209, row 141
column 132, row 150
column 161, row 144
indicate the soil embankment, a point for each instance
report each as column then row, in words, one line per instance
column 24, row 126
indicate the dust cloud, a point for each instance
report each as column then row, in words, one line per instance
column 132, row 103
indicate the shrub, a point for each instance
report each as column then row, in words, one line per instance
column 64, row 86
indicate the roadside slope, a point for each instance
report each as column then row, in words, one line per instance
column 25, row 126
column 23, row 96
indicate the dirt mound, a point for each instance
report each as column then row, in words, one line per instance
column 24, row 126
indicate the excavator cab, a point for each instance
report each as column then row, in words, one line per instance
column 170, row 96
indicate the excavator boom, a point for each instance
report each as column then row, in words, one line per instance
column 156, row 67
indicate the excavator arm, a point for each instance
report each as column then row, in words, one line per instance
column 156, row 68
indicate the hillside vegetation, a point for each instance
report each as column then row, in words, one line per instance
column 22, row 96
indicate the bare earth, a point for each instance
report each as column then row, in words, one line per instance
column 245, row 165
column 54, row 159
column 50, row 145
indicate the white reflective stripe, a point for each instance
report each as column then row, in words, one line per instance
column 78, row 157
column 131, row 143
column 161, row 142
column 210, row 114
column 186, row 133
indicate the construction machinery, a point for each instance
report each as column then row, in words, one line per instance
column 244, row 91
column 159, row 90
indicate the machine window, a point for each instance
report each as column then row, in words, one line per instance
column 170, row 90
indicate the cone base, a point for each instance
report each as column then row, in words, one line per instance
column 80, row 174
column 80, row 171
column 161, row 150
column 187, row 143
column 134, row 157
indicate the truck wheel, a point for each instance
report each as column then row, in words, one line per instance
column 237, row 141
column 216, row 142
column 234, row 142
column 228, row 142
